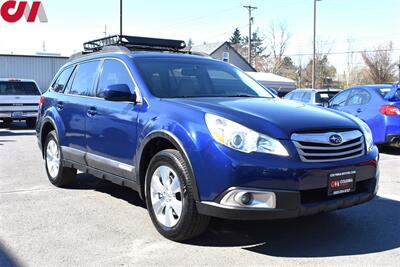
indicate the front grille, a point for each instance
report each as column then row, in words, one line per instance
column 317, row 147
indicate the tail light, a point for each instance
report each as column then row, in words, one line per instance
column 41, row 101
column 389, row 110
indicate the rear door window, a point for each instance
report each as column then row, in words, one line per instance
column 84, row 78
column 18, row 88
column 359, row 97
column 62, row 80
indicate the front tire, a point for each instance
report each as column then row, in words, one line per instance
column 58, row 175
column 170, row 199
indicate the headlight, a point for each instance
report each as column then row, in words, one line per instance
column 367, row 133
column 241, row 138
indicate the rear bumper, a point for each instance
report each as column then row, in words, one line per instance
column 24, row 115
column 291, row 204
column 393, row 139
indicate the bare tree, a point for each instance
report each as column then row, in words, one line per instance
column 277, row 41
column 379, row 65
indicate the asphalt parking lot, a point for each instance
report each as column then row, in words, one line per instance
column 98, row 223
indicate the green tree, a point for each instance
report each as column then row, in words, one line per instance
column 324, row 75
column 288, row 69
column 236, row 37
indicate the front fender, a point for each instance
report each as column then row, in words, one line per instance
column 179, row 131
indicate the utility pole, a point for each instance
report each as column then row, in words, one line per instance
column 314, row 44
column 399, row 69
column 120, row 17
column 250, row 9
column 105, row 31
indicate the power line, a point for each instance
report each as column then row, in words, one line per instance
column 347, row 52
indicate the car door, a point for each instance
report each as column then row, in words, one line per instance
column 111, row 126
column 72, row 107
column 358, row 103
column 339, row 102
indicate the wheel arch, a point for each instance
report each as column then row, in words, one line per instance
column 47, row 126
column 143, row 159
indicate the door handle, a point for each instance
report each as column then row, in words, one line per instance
column 60, row 105
column 359, row 110
column 92, row 111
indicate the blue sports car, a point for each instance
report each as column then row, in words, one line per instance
column 378, row 105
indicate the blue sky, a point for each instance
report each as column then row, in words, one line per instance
column 368, row 22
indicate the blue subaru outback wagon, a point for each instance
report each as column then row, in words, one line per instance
column 198, row 138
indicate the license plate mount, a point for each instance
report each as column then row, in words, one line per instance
column 341, row 183
column 16, row 115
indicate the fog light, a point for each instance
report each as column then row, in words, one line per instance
column 243, row 198
column 249, row 199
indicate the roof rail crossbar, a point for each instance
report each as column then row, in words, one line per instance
column 135, row 43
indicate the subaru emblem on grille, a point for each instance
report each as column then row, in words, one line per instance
column 335, row 139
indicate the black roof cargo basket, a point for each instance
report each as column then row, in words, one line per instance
column 135, row 43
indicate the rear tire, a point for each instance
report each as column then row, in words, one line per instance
column 58, row 175
column 170, row 198
column 30, row 123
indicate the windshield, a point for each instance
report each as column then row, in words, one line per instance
column 324, row 97
column 178, row 78
column 18, row 88
column 385, row 91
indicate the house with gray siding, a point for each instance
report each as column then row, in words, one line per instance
column 40, row 68
column 223, row 51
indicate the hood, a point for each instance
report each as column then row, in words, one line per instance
column 273, row 116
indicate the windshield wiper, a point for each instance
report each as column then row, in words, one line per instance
column 240, row 95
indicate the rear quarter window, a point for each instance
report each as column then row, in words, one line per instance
column 62, row 80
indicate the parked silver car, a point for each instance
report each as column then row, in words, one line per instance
column 319, row 97
column 19, row 101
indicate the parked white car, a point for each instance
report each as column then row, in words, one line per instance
column 19, row 101
column 319, row 97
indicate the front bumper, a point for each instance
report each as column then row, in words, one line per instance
column 291, row 204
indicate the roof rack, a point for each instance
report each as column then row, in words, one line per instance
column 135, row 43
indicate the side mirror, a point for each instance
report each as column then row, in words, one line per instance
column 119, row 93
